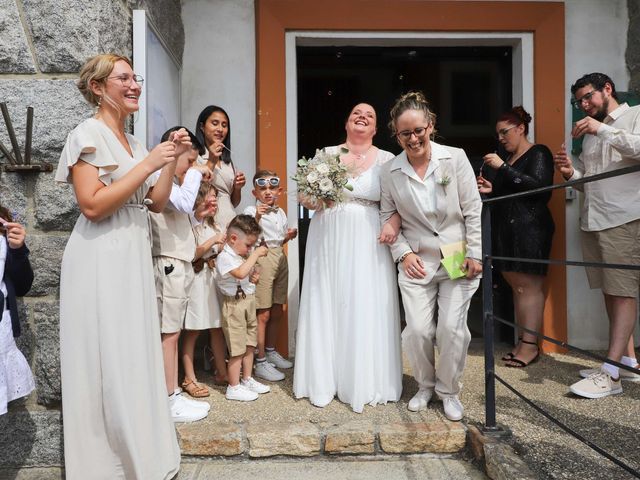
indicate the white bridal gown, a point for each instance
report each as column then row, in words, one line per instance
column 348, row 339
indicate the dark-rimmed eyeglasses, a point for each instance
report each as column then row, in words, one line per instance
column 271, row 181
column 503, row 131
column 418, row 132
column 127, row 79
column 577, row 102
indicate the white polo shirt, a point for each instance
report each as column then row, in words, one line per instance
column 226, row 261
column 614, row 201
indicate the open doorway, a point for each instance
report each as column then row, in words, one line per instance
column 468, row 87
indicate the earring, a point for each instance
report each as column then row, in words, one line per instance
column 99, row 102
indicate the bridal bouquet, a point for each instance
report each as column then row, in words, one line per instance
column 322, row 177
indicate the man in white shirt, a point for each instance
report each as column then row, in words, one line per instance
column 610, row 219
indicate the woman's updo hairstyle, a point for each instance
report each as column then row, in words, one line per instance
column 97, row 69
column 517, row 116
column 412, row 101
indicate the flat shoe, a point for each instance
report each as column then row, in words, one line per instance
column 195, row 389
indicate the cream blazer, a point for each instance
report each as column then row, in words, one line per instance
column 458, row 206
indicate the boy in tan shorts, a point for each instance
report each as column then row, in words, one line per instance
column 234, row 265
column 272, row 287
column 173, row 249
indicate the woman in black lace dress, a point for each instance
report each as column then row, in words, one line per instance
column 521, row 227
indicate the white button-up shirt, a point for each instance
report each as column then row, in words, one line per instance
column 274, row 225
column 228, row 284
column 614, row 201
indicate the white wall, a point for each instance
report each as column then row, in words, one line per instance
column 219, row 68
column 596, row 40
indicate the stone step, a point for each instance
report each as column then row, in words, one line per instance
column 305, row 439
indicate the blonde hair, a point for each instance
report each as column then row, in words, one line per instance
column 98, row 69
column 205, row 189
column 412, row 101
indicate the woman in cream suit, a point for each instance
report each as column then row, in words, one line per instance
column 433, row 188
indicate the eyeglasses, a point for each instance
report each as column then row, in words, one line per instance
column 577, row 103
column 126, row 79
column 263, row 182
column 503, row 131
column 418, row 132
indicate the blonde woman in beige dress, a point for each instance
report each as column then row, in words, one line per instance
column 115, row 407
column 213, row 130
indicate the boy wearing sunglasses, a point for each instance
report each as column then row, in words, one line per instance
column 272, row 286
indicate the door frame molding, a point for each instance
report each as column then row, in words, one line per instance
column 535, row 29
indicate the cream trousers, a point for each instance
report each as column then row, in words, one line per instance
column 450, row 332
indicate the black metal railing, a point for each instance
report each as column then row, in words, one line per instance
column 489, row 318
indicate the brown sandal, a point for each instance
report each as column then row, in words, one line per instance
column 194, row 389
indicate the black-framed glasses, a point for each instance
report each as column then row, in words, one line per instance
column 263, row 182
column 577, row 102
column 127, row 79
column 503, row 131
column 418, row 132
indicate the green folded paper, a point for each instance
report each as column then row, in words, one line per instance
column 453, row 265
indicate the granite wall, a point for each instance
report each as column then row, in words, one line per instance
column 632, row 54
column 43, row 43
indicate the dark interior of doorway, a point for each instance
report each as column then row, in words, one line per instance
column 468, row 87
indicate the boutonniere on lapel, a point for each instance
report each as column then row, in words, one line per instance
column 443, row 176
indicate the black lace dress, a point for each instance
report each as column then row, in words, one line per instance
column 523, row 227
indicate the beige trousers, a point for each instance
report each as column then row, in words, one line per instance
column 450, row 332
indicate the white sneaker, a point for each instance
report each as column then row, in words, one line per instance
column 277, row 360
column 420, row 400
column 624, row 374
column 181, row 411
column 267, row 371
column 598, row 385
column 240, row 393
column 453, row 409
column 194, row 403
column 255, row 386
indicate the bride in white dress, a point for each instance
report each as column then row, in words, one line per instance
column 348, row 338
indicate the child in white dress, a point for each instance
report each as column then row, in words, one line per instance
column 16, row 380
column 203, row 311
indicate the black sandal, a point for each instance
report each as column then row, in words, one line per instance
column 509, row 356
column 520, row 363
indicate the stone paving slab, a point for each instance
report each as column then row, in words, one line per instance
column 412, row 467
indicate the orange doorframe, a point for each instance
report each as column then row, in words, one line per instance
column 544, row 19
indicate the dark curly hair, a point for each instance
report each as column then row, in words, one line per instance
column 597, row 80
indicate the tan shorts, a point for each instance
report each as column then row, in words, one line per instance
column 273, row 283
column 239, row 324
column 174, row 279
column 614, row 245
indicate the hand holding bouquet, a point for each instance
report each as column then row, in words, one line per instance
column 323, row 178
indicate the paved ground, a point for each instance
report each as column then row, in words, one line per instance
column 611, row 423
column 413, row 467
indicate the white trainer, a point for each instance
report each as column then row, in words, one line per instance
column 194, row 403
column 253, row 385
column 624, row 374
column 420, row 400
column 240, row 393
column 453, row 409
column 267, row 371
column 182, row 412
column 277, row 360
column 598, row 385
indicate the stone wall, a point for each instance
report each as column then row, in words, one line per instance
column 633, row 45
column 42, row 46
